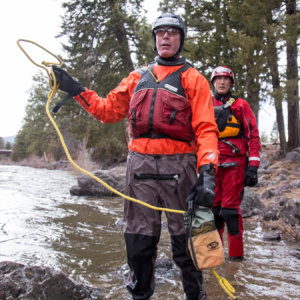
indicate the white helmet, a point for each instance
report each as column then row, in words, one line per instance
column 221, row 71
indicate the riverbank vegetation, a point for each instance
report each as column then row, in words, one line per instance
column 108, row 39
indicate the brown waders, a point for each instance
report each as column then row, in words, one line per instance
column 163, row 181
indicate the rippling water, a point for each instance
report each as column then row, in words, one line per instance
column 42, row 224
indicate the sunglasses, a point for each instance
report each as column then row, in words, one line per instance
column 171, row 31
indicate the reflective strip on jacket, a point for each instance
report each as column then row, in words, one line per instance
column 249, row 143
column 115, row 107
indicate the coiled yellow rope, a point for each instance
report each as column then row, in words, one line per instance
column 53, row 89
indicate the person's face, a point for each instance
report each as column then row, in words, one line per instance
column 167, row 41
column 222, row 84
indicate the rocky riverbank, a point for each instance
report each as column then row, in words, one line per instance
column 275, row 201
column 278, row 190
column 18, row 281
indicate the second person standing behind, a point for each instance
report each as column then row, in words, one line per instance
column 239, row 146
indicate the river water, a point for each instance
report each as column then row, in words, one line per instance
column 42, row 224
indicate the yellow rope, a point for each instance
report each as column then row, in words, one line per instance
column 53, row 89
column 224, row 283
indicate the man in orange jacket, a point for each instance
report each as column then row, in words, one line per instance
column 239, row 147
column 173, row 134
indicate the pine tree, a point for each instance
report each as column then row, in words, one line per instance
column 37, row 135
column 106, row 40
column 273, row 38
column 292, row 85
column 1, row 143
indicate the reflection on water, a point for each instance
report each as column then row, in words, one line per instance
column 41, row 224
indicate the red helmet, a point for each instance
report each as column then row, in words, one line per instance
column 221, row 71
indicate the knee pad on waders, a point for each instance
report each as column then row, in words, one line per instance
column 231, row 217
column 219, row 220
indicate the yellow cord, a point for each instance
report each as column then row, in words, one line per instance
column 53, row 89
column 224, row 283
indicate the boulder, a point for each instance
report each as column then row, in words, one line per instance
column 290, row 212
column 88, row 186
column 272, row 236
column 251, row 204
column 293, row 156
column 271, row 212
column 18, row 281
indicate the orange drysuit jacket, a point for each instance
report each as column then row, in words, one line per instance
column 115, row 107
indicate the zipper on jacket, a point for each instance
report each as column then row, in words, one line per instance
column 152, row 107
column 150, row 70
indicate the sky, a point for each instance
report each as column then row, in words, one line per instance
column 36, row 20
column 39, row 21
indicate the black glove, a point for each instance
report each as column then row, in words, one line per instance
column 66, row 82
column 221, row 115
column 203, row 192
column 251, row 176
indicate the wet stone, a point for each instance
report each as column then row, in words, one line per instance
column 295, row 253
column 271, row 212
column 18, row 281
column 271, row 236
column 87, row 186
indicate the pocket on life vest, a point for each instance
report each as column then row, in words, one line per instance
column 206, row 250
column 176, row 110
column 139, row 108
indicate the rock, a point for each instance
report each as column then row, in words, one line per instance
column 281, row 200
column 264, row 164
column 272, row 236
column 281, row 171
column 283, row 188
column 297, row 149
column 60, row 165
column 263, row 171
column 296, row 253
column 271, row 212
column 281, row 177
column 295, row 184
column 251, row 204
column 290, row 212
column 88, row 186
column 276, row 165
column 263, row 182
column 18, row 281
column 268, row 194
column 293, row 156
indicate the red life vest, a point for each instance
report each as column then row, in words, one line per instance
column 159, row 109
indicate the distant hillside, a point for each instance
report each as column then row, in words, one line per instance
column 10, row 139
